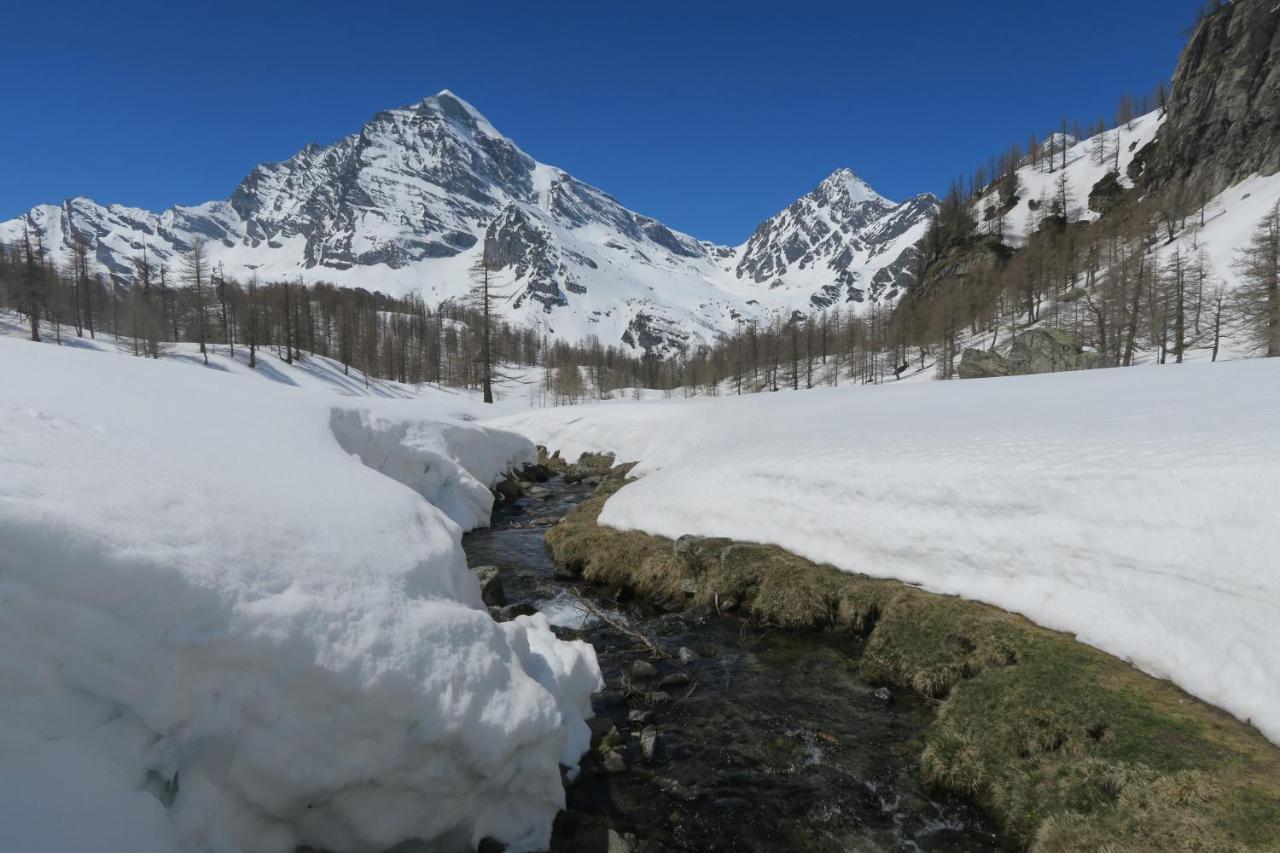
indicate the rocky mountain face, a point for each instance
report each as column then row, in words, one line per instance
column 409, row 202
column 833, row 241
column 1223, row 121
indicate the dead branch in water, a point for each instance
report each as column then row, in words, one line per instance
column 626, row 630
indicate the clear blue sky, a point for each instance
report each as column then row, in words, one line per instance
column 708, row 116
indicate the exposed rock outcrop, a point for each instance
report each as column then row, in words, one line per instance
column 1223, row 119
column 1033, row 351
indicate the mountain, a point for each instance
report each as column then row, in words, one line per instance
column 409, row 202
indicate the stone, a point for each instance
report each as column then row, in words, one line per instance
column 689, row 587
column 686, row 655
column 600, row 727
column 1049, row 351
column 1038, row 350
column 512, row 611
column 675, row 679
column 638, row 717
column 612, row 762
column 673, row 788
column 657, row 697
column 617, row 842
column 491, row 591
column 649, row 743
column 643, row 670
column 507, row 490
column 982, row 364
column 883, row 694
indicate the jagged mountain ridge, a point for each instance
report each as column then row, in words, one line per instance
column 408, row 202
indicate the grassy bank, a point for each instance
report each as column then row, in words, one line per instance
column 1070, row 749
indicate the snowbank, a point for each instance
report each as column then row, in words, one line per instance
column 226, row 624
column 1135, row 508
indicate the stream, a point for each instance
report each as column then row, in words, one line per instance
column 745, row 738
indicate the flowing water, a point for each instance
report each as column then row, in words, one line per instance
column 764, row 741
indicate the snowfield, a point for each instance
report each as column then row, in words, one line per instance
column 236, row 617
column 1135, row 508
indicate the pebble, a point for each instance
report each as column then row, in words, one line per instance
column 638, row 717
column 613, row 763
column 675, row 789
column 642, row 669
column 648, row 743
column 686, row 655
column 491, row 591
column 883, row 694
column 620, row 843
column 675, row 679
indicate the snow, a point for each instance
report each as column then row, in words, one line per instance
column 237, row 617
column 1132, row 507
column 1037, row 183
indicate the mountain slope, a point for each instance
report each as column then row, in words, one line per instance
column 409, row 202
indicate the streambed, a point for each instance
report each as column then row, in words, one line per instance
column 742, row 738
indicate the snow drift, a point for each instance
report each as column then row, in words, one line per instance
column 238, row 618
column 1134, row 508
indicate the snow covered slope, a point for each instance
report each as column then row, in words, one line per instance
column 408, row 203
column 1038, row 185
column 1131, row 507
column 238, row 618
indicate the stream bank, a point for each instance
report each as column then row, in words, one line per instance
column 1066, row 747
column 713, row 733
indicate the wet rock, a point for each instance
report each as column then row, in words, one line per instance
column 728, row 604
column 669, row 624
column 643, row 670
column 618, row 842
column 686, row 655
column 638, row 717
column 657, row 697
column 612, row 762
column 883, row 694
column 507, row 490
column 491, row 591
column 649, row 743
column 511, row 611
column 536, row 473
column 673, row 788
column 600, row 727
column 674, row 680
column 612, row 741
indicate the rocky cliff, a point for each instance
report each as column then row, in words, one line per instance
column 1223, row 121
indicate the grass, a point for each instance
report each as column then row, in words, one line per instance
column 1068, row 748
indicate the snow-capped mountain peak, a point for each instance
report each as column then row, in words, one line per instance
column 412, row 198
column 844, row 182
column 841, row 242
